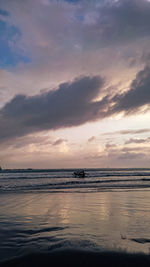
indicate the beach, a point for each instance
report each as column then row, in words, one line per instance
column 74, row 133
column 74, row 225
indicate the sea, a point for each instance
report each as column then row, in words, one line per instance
column 51, row 218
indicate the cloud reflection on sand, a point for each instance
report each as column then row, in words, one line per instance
column 46, row 220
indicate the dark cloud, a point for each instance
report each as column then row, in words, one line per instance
column 70, row 105
column 87, row 24
column 137, row 96
column 134, row 99
column 129, row 19
column 116, row 22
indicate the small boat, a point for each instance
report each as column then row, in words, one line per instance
column 79, row 174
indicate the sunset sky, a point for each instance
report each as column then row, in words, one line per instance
column 74, row 83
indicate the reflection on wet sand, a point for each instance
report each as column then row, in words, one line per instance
column 111, row 220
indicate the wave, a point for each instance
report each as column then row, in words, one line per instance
column 97, row 184
column 96, row 179
column 135, row 239
column 141, row 240
column 89, row 175
column 42, row 230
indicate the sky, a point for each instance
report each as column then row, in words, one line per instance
column 74, row 83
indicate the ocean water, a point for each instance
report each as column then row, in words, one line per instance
column 45, row 212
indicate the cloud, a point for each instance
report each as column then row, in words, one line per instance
column 121, row 20
column 111, row 22
column 91, row 139
column 63, row 40
column 60, row 39
column 129, row 131
column 119, row 156
column 137, row 141
column 131, row 156
column 22, row 141
column 85, row 25
column 70, row 105
column 139, row 131
column 59, row 142
column 109, row 146
column 137, row 96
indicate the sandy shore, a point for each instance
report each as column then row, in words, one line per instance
column 75, row 229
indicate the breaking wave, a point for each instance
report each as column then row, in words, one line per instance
column 95, row 179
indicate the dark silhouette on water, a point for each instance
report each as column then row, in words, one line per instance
column 79, row 174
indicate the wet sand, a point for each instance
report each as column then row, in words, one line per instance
column 69, row 229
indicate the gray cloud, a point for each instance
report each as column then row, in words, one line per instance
column 129, row 131
column 114, row 22
column 125, row 14
column 121, row 157
column 137, row 141
column 87, row 24
column 70, row 105
column 131, row 156
column 110, row 146
column 139, row 131
column 59, row 142
column 24, row 141
column 137, row 96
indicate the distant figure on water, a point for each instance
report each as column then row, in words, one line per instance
column 79, row 173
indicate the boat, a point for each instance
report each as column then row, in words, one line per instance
column 79, row 173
